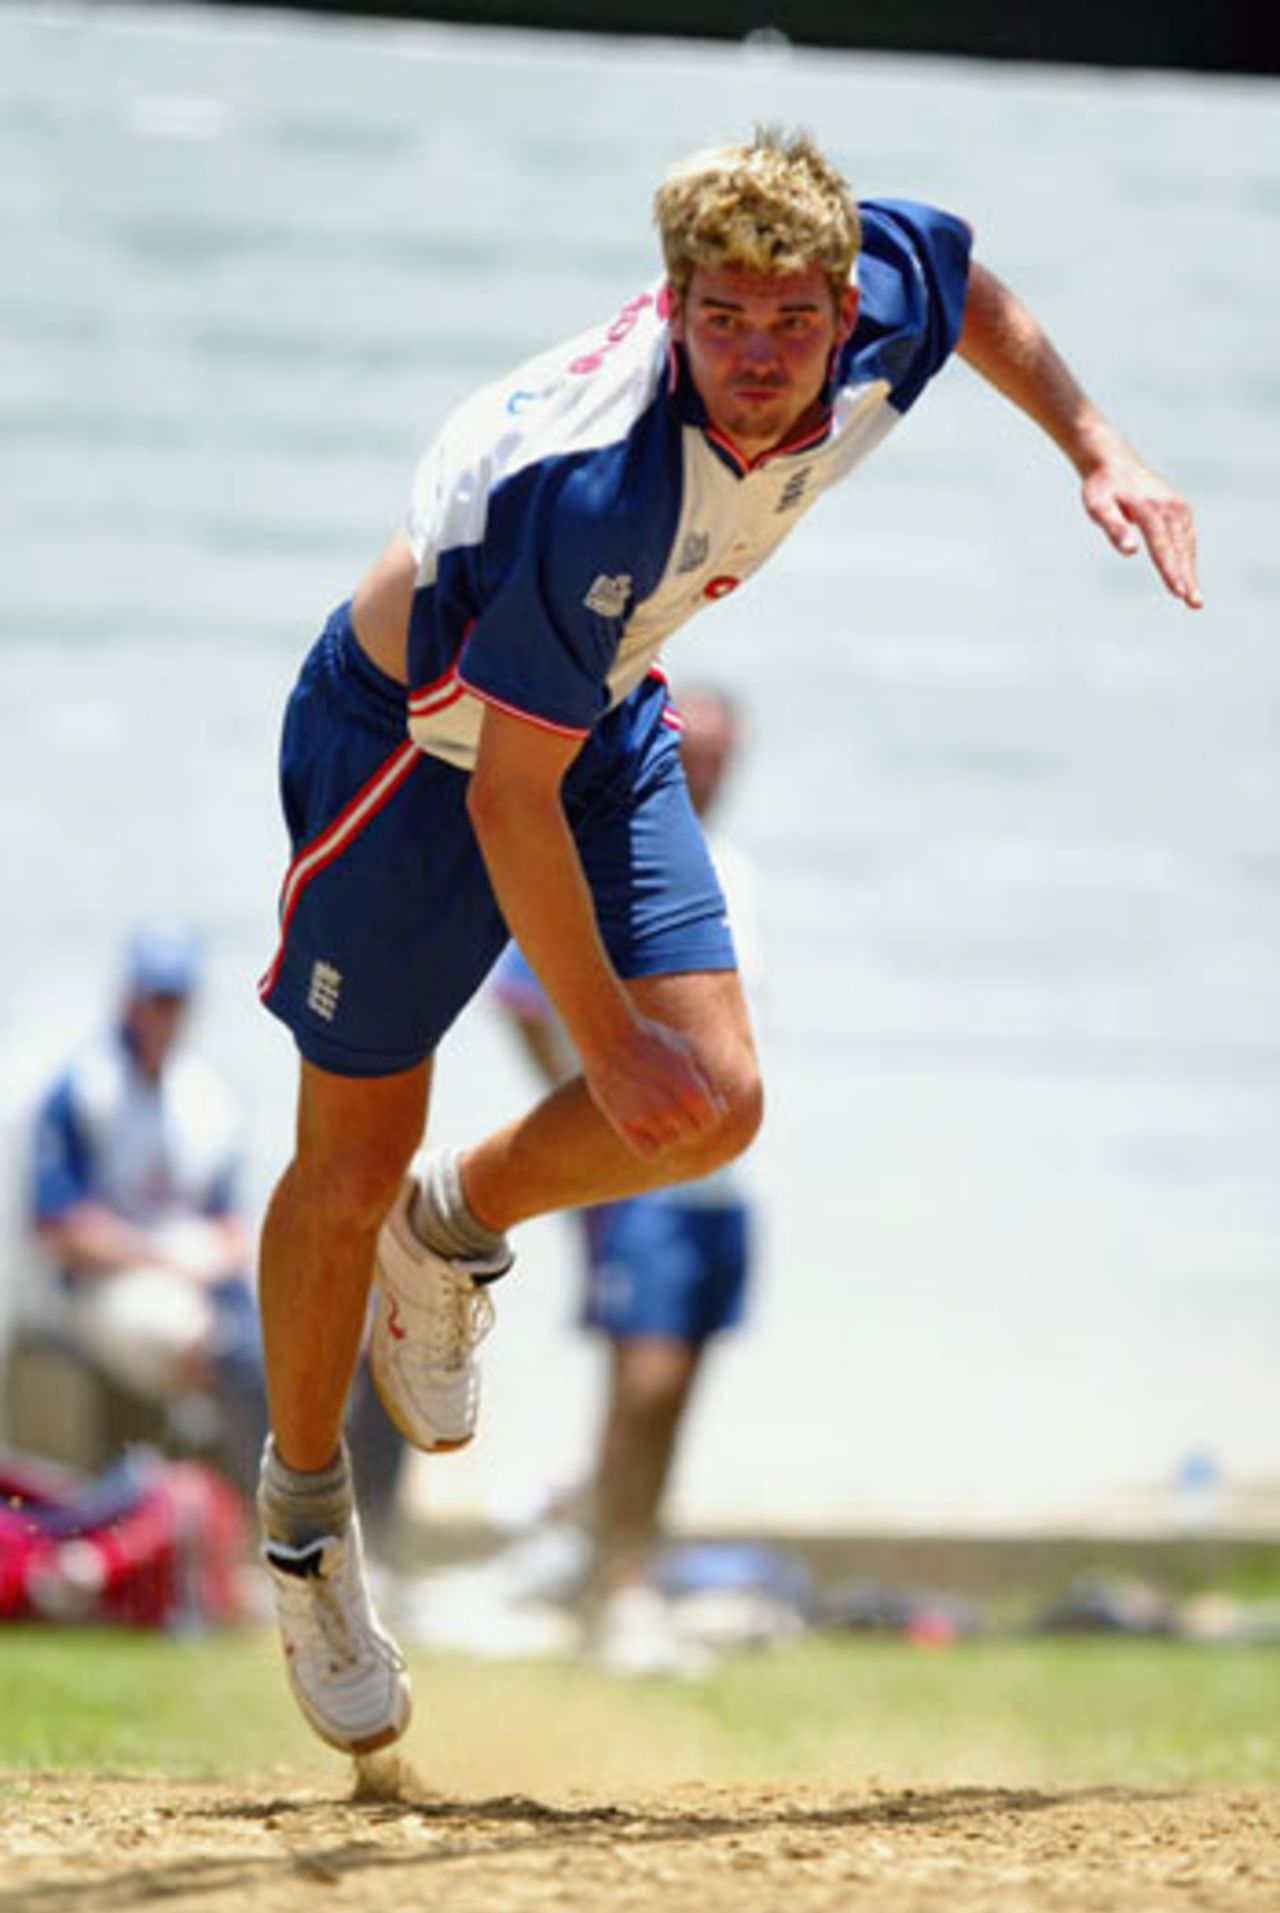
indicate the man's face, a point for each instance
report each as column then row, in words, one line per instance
column 154, row 1020
column 759, row 346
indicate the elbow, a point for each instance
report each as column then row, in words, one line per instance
column 499, row 807
column 488, row 804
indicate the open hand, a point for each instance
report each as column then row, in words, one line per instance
column 1133, row 507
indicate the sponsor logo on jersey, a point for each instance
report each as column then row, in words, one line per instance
column 622, row 327
column 694, row 552
column 608, row 596
column 795, row 488
column 720, row 587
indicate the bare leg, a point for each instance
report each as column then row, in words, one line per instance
column 564, row 1154
column 356, row 1137
column 650, row 1381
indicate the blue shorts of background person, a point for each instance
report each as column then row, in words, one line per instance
column 658, row 1266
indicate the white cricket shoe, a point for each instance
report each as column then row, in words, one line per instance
column 431, row 1312
column 347, row 1674
column 634, row 1634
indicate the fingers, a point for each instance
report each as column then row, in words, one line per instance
column 1106, row 511
column 661, row 1117
column 1157, row 518
column 672, row 1126
column 650, row 1141
column 1170, row 534
column 656, row 1092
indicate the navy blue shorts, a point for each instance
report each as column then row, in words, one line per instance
column 659, row 1266
column 389, row 924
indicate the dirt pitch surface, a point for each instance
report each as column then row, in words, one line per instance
column 106, row 1844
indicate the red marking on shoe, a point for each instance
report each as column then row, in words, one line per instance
column 393, row 1320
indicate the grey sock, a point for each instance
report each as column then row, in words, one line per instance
column 441, row 1216
column 299, row 1506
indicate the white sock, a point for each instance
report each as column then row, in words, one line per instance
column 298, row 1506
column 441, row 1217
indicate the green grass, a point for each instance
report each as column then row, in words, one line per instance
column 1013, row 1712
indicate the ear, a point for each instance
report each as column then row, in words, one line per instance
column 849, row 299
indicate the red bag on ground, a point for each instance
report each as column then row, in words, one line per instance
column 150, row 1543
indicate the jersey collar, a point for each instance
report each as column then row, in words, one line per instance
column 687, row 404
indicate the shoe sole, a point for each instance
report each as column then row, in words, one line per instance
column 367, row 1744
column 372, row 1743
column 382, row 1383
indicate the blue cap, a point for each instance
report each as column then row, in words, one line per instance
column 163, row 960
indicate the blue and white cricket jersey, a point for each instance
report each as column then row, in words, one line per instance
column 570, row 518
column 151, row 1151
column 565, row 523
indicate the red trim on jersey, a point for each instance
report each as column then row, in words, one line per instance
column 745, row 464
column 816, row 437
column 376, row 792
column 422, row 704
column 425, row 690
column 447, row 679
column 726, row 445
column 514, row 710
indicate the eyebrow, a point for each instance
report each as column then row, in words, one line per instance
column 740, row 305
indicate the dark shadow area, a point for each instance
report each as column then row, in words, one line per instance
column 1188, row 34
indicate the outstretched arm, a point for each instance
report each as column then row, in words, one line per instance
column 1003, row 341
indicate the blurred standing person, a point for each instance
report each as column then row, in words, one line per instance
column 666, row 1271
column 134, row 1203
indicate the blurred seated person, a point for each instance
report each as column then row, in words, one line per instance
column 133, row 1204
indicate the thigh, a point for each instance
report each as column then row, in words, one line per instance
column 357, row 1132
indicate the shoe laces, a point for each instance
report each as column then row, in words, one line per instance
column 462, row 1318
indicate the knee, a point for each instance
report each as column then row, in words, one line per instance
column 652, row 1375
column 352, row 1189
column 650, row 1403
column 355, row 1140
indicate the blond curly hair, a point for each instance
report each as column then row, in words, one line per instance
column 773, row 204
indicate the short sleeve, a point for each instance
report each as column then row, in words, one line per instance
column 913, row 271
column 60, row 1167
column 554, row 601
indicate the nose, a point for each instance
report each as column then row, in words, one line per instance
column 758, row 349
